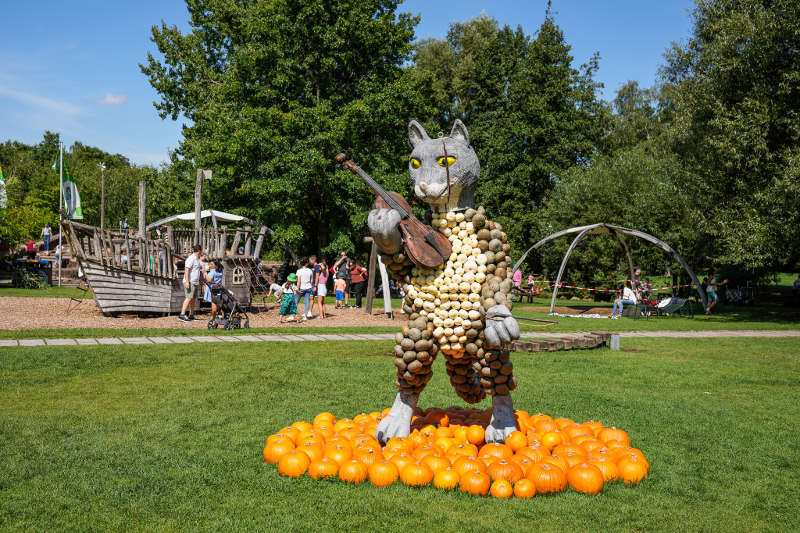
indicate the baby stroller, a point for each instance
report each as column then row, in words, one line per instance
column 230, row 314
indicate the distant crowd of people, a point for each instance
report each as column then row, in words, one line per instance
column 310, row 283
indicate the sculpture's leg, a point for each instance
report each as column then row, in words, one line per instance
column 413, row 373
column 497, row 378
column 464, row 378
column 398, row 422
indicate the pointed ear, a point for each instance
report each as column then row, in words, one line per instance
column 459, row 132
column 416, row 133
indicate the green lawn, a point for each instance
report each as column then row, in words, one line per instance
column 170, row 437
column 44, row 292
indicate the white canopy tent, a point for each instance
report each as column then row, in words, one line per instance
column 216, row 216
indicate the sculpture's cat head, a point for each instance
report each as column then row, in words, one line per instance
column 428, row 166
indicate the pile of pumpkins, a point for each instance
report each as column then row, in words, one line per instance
column 446, row 449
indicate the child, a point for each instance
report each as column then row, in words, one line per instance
column 339, row 286
column 288, row 305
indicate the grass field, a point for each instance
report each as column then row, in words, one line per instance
column 170, row 437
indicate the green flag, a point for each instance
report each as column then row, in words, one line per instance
column 3, row 197
column 72, row 200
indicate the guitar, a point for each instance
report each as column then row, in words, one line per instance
column 425, row 246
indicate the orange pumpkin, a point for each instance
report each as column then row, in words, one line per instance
column 631, row 470
column 460, row 433
column 516, row 440
column 609, row 434
column 557, row 460
column 536, row 455
column 277, row 449
column 608, row 468
column 326, row 419
column 401, row 460
column 293, row 464
column 382, row 473
column 507, row 470
column 494, row 450
column 501, row 488
column 416, row 475
column 524, row 488
column 562, row 450
column 352, row 472
column 339, row 452
column 547, row 478
column 465, row 449
column 397, row 445
column 585, row 478
column 573, row 459
column 313, row 450
column 463, row 465
column 475, row 483
column 302, row 426
column 475, row 434
column 594, row 426
column 564, row 422
column 323, row 468
column 552, row 439
column 446, row 479
column 367, row 456
column 435, row 462
column 524, row 463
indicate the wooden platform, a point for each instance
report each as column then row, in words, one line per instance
column 595, row 339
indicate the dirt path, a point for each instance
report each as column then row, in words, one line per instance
column 40, row 313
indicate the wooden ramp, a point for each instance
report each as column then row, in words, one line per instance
column 574, row 341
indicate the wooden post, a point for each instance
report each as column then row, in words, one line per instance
column 198, row 195
column 373, row 258
column 102, row 196
column 142, row 208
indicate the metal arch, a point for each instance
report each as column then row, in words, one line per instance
column 624, row 245
column 602, row 227
column 564, row 264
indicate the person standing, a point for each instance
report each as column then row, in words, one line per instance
column 305, row 288
column 711, row 291
column 30, row 247
column 213, row 281
column 315, row 272
column 342, row 268
column 46, row 237
column 339, row 286
column 288, row 302
column 322, row 287
column 191, row 284
column 358, row 279
column 516, row 281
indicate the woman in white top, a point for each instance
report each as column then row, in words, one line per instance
column 627, row 297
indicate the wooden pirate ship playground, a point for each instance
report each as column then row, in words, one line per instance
column 138, row 274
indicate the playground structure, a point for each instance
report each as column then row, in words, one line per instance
column 619, row 232
column 133, row 273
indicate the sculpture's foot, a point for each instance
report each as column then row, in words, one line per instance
column 503, row 421
column 398, row 422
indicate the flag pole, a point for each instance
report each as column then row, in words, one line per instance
column 60, row 204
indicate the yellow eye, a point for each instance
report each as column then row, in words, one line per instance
column 446, row 162
column 415, row 162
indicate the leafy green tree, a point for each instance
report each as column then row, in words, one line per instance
column 273, row 90
column 637, row 188
column 530, row 113
column 735, row 90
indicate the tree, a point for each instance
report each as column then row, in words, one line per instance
column 640, row 188
column 273, row 90
column 735, row 90
column 530, row 114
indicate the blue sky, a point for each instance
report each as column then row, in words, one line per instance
column 72, row 67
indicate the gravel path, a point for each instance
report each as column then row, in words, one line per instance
column 41, row 313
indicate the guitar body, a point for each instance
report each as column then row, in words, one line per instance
column 425, row 246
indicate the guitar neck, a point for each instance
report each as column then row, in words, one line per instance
column 380, row 191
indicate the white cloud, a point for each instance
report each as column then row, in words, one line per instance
column 43, row 102
column 113, row 99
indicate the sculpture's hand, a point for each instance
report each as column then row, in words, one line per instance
column 501, row 327
column 382, row 224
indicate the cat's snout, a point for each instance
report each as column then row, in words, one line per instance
column 423, row 187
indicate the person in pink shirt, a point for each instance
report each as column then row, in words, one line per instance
column 516, row 279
